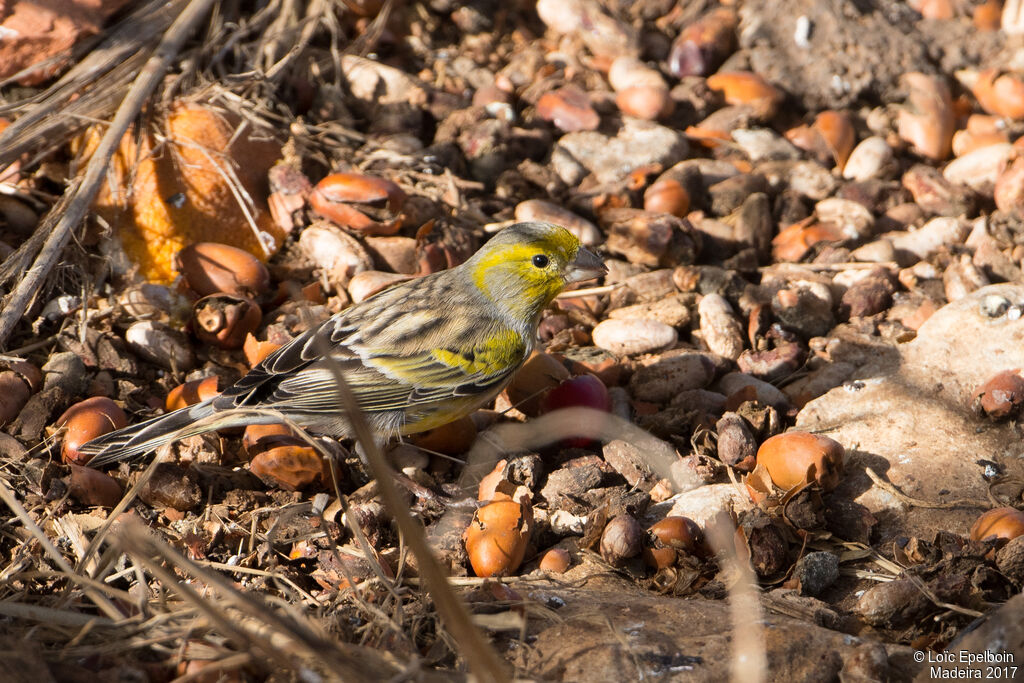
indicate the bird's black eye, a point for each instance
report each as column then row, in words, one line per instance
column 540, row 260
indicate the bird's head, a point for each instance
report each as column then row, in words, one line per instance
column 525, row 265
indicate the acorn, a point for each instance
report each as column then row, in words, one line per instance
column 795, row 459
column 1005, row 523
column 497, row 537
column 225, row 320
column 190, row 393
column 209, row 268
column 86, row 420
column 621, row 540
column 555, row 561
column 360, row 202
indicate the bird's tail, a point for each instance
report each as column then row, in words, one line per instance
column 151, row 434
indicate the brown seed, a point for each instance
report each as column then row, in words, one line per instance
column 259, row 438
column 1009, row 189
column 337, row 253
column 763, row 545
column 359, row 202
column 497, row 537
column 797, row 458
column 981, row 130
column 1005, row 523
column 367, row 283
column 14, row 394
column 225, row 320
column 569, row 109
column 1000, row 93
column 360, row 189
column 193, row 392
column 703, row 45
column 621, row 540
column 289, row 466
column 1001, row 395
column 836, row 130
column 209, row 268
column 736, row 444
column 555, row 561
column 928, row 120
column 747, row 88
column 667, row 195
column 793, row 241
column 811, row 141
column 85, row 421
column 489, row 486
column 642, row 92
column 681, row 533
column 644, row 102
column 659, row 557
column 92, row 487
column 988, row 15
column 171, row 486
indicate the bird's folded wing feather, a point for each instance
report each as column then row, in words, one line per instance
column 380, row 366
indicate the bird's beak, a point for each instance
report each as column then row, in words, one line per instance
column 586, row 266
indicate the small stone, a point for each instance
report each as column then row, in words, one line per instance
column 661, row 377
column 816, row 571
column 921, row 243
column 729, row 194
column 764, row 392
column 673, row 311
column 161, row 345
column 980, row 169
column 720, row 328
column 852, row 218
column 868, row 662
column 812, row 180
column 630, row 337
column 806, row 308
column 935, row 194
column 871, row 158
column 569, row 109
column 639, row 143
column 764, row 144
column 651, row 287
column 869, row 296
column 629, row 461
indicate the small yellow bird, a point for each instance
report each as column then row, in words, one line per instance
column 416, row 356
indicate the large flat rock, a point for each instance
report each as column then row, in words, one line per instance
column 907, row 415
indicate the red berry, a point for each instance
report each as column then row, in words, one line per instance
column 583, row 391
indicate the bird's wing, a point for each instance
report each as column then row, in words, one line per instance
column 399, row 359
